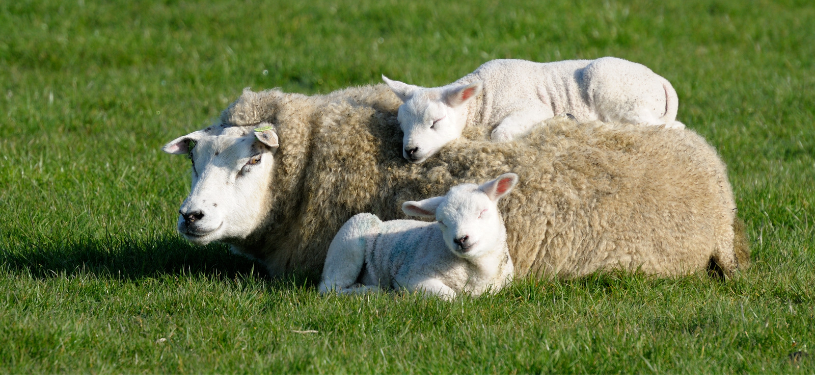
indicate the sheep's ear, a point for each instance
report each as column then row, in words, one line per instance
column 183, row 144
column 403, row 90
column 500, row 186
column 266, row 134
column 457, row 96
column 424, row 208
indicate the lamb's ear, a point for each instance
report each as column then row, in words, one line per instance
column 181, row 145
column 424, row 208
column 500, row 186
column 403, row 90
column 266, row 134
column 457, row 96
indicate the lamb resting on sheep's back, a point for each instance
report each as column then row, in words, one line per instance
column 510, row 97
column 593, row 196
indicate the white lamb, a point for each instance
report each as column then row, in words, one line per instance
column 515, row 95
column 465, row 250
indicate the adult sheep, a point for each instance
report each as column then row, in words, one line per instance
column 592, row 196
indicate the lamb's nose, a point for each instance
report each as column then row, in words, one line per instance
column 411, row 151
column 461, row 241
column 191, row 217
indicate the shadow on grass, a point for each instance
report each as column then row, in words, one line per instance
column 127, row 258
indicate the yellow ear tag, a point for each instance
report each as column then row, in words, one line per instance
column 265, row 128
column 267, row 135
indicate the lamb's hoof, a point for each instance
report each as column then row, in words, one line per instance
column 565, row 116
column 500, row 135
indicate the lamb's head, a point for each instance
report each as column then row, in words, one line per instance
column 231, row 172
column 431, row 117
column 468, row 215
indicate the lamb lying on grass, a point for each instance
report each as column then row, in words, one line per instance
column 465, row 250
column 515, row 95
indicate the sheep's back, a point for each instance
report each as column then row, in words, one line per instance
column 591, row 196
column 597, row 196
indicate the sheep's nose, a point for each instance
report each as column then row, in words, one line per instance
column 191, row 217
column 461, row 241
column 411, row 151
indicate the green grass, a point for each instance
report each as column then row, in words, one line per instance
column 93, row 277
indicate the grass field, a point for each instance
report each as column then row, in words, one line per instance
column 93, row 277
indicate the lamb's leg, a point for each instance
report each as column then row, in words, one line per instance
column 434, row 287
column 642, row 116
column 519, row 124
column 360, row 289
column 649, row 119
column 346, row 254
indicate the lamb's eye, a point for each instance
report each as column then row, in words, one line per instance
column 433, row 126
column 481, row 215
column 442, row 224
column 254, row 160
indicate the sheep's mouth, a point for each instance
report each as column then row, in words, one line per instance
column 415, row 159
column 196, row 235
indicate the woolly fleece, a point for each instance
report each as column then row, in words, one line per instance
column 592, row 196
column 607, row 89
column 510, row 97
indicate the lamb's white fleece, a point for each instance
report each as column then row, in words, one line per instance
column 514, row 95
column 465, row 250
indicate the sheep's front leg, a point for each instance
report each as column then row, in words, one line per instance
column 519, row 124
column 346, row 254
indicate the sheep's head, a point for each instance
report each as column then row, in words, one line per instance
column 431, row 117
column 468, row 215
column 231, row 175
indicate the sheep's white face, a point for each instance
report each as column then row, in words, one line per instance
column 431, row 118
column 468, row 216
column 231, row 175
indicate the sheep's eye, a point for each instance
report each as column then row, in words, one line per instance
column 442, row 224
column 254, row 160
column 481, row 215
